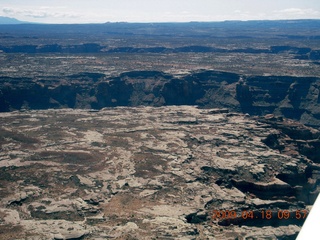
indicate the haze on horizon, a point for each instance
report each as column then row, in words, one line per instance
column 100, row 11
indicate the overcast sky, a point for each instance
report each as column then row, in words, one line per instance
column 98, row 11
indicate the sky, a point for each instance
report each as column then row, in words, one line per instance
column 100, row 11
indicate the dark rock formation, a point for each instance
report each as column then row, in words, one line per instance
column 292, row 97
column 299, row 53
column 52, row 48
column 112, row 93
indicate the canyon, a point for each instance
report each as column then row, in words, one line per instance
column 200, row 130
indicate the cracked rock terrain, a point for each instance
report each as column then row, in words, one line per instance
column 153, row 173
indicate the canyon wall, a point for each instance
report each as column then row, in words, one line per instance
column 297, row 98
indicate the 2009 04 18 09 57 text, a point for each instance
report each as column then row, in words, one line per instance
column 261, row 214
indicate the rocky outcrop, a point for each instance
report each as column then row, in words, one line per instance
column 176, row 172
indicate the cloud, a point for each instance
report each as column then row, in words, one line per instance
column 8, row 11
column 82, row 14
column 41, row 12
column 298, row 13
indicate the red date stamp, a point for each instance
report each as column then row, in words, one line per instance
column 259, row 214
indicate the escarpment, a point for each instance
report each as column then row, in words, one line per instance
column 291, row 97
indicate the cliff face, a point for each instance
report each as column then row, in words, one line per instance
column 291, row 97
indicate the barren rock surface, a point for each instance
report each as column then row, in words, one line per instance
column 153, row 173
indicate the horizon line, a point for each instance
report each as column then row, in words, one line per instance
column 166, row 22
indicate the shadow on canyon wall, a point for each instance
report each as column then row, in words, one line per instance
column 297, row 98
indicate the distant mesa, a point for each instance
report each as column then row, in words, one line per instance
column 7, row 20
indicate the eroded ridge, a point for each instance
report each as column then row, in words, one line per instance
column 146, row 172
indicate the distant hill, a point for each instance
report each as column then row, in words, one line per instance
column 7, row 20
